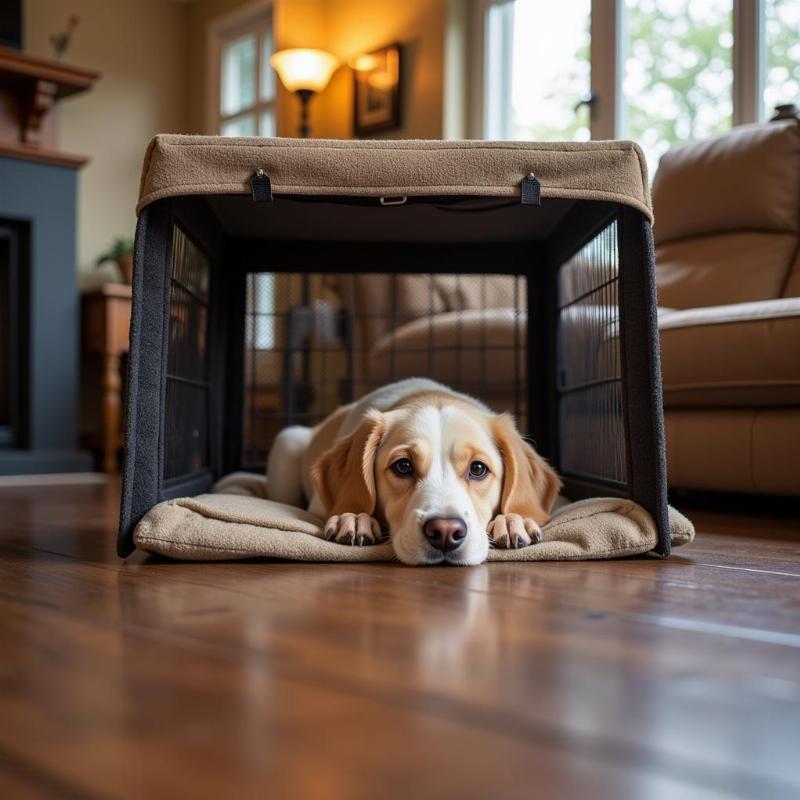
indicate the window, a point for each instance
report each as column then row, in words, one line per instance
column 657, row 71
column 544, row 76
column 782, row 57
column 678, row 72
column 245, row 87
column 243, row 102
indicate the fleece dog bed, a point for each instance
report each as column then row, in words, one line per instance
column 239, row 522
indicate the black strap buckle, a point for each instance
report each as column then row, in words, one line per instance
column 531, row 191
column 261, row 187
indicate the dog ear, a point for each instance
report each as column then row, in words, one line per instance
column 344, row 476
column 530, row 485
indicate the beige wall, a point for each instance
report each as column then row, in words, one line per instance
column 153, row 56
column 356, row 26
column 298, row 23
column 344, row 27
column 140, row 47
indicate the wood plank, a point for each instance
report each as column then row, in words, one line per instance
column 130, row 700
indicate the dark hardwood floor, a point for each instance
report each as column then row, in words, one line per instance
column 626, row 679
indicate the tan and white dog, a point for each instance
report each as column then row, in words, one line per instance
column 446, row 475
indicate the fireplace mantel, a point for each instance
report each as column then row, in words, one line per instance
column 30, row 87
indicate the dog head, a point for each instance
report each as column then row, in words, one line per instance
column 436, row 474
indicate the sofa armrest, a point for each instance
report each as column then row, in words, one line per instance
column 779, row 308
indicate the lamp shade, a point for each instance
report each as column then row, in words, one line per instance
column 304, row 69
column 363, row 62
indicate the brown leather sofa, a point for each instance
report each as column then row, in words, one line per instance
column 467, row 331
column 727, row 237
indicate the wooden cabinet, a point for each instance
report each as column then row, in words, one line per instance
column 105, row 331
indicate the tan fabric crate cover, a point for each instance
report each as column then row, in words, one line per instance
column 242, row 524
column 206, row 165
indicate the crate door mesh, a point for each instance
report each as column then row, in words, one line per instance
column 314, row 342
column 187, row 385
column 592, row 437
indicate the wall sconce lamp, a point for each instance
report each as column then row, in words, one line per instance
column 304, row 72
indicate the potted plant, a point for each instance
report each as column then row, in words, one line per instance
column 121, row 254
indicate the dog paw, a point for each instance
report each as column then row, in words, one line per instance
column 512, row 531
column 353, row 529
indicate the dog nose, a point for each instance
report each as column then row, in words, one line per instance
column 445, row 534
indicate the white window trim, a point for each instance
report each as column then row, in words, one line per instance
column 477, row 112
column 606, row 83
column 607, row 66
column 496, row 114
column 748, row 61
column 219, row 32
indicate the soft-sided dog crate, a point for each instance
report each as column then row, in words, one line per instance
column 277, row 279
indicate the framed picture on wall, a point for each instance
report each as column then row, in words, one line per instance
column 376, row 76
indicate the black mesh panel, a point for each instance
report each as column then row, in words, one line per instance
column 186, row 419
column 314, row 342
column 592, row 436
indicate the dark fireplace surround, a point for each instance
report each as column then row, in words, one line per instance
column 39, row 300
column 38, row 319
column 14, row 332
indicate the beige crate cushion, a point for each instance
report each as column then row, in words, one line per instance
column 239, row 523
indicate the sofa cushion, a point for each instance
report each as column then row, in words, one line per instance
column 728, row 217
column 383, row 303
column 724, row 268
column 472, row 350
column 748, row 179
column 746, row 354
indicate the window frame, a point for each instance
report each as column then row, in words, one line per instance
column 256, row 18
column 607, row 65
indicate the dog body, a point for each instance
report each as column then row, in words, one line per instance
column 437, row 468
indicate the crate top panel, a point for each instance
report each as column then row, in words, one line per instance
column 423, row 220
column 612, row 171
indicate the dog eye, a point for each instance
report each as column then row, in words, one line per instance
column 478, row 470
column 403, row 467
